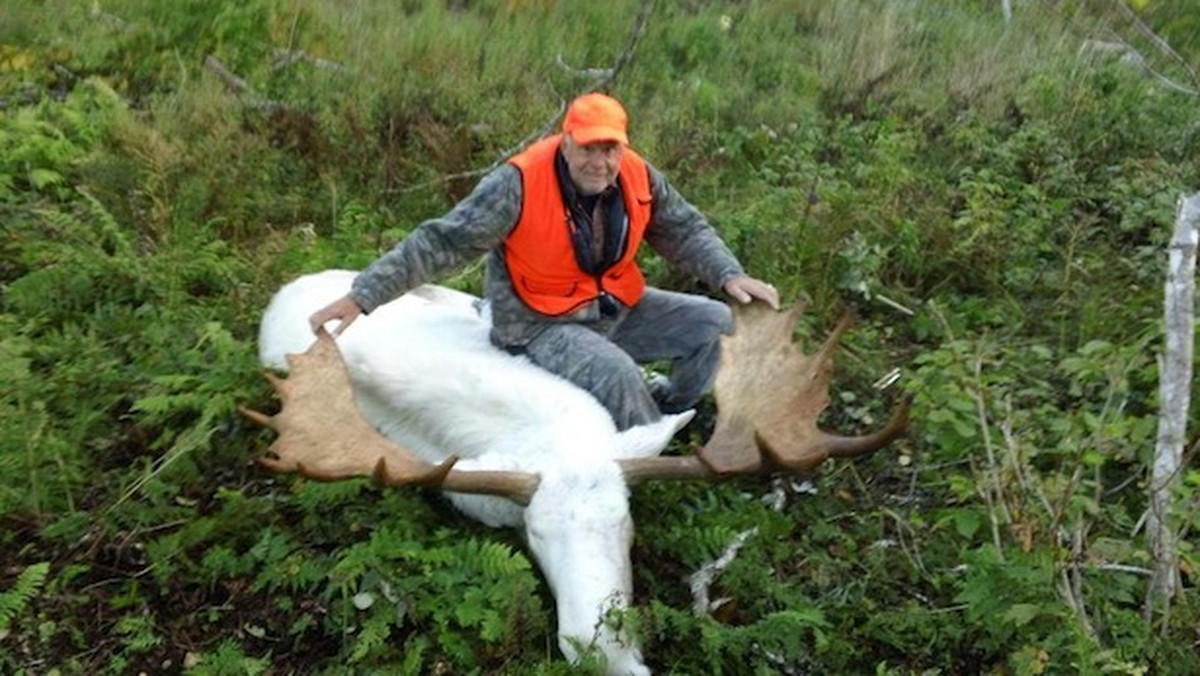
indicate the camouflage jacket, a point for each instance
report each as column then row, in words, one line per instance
column 478, row 226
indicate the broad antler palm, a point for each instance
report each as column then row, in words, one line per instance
column 769, row 396
column 323, row 436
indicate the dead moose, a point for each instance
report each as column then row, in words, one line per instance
column 417, row 395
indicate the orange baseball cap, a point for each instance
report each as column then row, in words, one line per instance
column 595, row 117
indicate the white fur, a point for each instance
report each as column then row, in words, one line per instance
column 425, row 374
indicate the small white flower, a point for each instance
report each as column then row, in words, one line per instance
column 726, row 22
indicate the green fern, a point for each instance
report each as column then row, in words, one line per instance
column 13, row 601
column 374, row 632
column 227, row 659
column 494, row 559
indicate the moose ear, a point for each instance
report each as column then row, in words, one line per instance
column 645, row 441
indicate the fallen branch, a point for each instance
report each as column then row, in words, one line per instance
column 1122, row 568
column 593, row 73
column 240, row 87
column 287, row 57
column 702, row 579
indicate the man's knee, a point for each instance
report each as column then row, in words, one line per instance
column 720, row 317
column 709, row 321
column 608, row 373
column 708, row 317
column 596, row 365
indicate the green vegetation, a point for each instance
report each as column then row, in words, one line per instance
column 1012, row 190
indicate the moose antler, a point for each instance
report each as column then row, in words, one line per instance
column 769, row 396
column 323, row 436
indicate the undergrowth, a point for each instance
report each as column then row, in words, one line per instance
column 992, row 201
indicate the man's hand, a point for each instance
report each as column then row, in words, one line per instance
column 345, row 309
column 745, row 289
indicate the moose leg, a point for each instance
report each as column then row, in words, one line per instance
column 682, row 328
column 594, row 363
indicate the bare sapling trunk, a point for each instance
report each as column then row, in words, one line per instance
column 1175, row 379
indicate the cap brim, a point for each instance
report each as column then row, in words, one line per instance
column 598, row 134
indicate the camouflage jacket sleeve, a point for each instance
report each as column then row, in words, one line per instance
column 684, row 237
column 442, row 245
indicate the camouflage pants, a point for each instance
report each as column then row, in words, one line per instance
column 603, row 357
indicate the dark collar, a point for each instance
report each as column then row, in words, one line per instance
column 580, row 220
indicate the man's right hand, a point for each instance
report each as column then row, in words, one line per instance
column 746, row 289
column 345, row 309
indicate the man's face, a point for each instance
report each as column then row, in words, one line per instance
column 593, row 166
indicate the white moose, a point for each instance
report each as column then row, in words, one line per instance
column 513, row 445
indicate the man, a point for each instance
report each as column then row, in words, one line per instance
column 560, row 225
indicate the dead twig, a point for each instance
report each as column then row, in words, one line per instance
column 240, row 87
column 593, row 73
column 1160, row 43
column 993, row 488
column 1071, row 583
column 288, row 57
column 702, row 579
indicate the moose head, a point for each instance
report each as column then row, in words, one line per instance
column 417, row 396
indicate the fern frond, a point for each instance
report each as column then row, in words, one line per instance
column 497, row 559
column 373, row 633
column 116, row 236
column 28, row 584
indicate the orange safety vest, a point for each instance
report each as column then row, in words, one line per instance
column 541, row 260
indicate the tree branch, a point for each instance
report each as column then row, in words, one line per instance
column 1162, row 46
column 635, row 37
column 1132, row 57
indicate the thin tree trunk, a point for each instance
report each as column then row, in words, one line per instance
column 1175, row 379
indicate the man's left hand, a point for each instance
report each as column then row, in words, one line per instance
column 745, row 289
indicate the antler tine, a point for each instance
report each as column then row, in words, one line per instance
column 323, row 436
column 849, row 447
column 695, row 468
column 825, row 446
